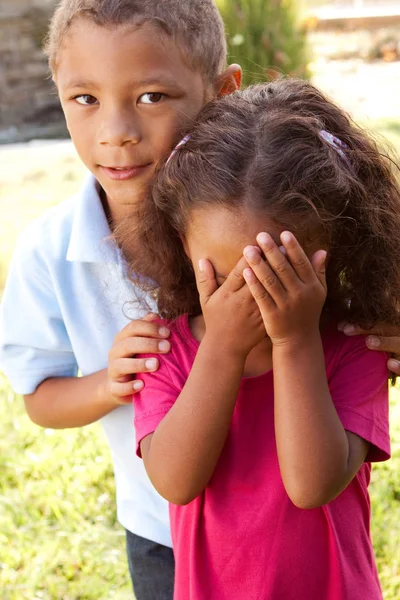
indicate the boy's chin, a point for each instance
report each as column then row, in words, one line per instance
column 125, row 193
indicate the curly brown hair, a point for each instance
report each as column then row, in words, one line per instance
column 262, row 150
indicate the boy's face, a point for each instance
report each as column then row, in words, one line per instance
column 127, row 94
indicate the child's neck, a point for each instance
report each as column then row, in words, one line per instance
column 258, row 361
column 114, row 212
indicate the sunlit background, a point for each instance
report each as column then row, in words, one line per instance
column 58, row 533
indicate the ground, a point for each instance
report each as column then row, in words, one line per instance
column 59, row 539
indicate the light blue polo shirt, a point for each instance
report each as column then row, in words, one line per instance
column 66, row 297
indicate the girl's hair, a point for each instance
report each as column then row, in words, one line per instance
column 196, row 27
column 266, row 150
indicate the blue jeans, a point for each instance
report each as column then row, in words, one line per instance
column 152, row 568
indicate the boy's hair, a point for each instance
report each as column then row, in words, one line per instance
column 261, row 150
column 196, row 26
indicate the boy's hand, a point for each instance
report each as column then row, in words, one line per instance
column 231, row 316
column 384, row 338
column 290, row 290
column 138, row 337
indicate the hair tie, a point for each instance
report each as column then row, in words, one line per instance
column 336, row 143
column 175, row 150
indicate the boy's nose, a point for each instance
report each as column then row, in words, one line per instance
column 119, row 130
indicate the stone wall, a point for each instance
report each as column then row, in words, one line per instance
column 29, row 107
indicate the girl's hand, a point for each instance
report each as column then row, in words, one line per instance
column 289, row 290
column 231, row 315
column 138, row 337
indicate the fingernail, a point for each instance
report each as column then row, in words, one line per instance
column 263, row 238
column 251, row 253
column 164, row 346
column 137, row 385
column 151, row 364
column 347, row 329
column 393, row 364
column 248, row 274
column 286, row 236
column 373, row 341
column 164, row 332
column 202, row 265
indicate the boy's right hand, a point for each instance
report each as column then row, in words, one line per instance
column 137, row 337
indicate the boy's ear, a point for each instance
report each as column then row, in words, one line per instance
column 229, row 81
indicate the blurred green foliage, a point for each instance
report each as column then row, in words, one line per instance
column 265, row 38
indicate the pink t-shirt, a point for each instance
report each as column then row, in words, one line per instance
column 243, row 538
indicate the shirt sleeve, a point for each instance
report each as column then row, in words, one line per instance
column 155, row 400
column 34, row 344
column 359, row 390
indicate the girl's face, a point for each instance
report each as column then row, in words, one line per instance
column 220, row 235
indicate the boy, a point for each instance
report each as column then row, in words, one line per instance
column 131, row 75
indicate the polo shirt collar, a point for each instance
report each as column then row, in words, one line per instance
column 91, row 236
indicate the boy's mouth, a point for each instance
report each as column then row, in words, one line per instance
column 124, row 173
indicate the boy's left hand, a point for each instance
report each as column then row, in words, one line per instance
column 384, row 338
column 290, row 290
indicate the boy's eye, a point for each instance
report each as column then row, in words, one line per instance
column 151, row 98
column 86, row 99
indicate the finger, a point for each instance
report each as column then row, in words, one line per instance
column 118, row 369
column 151, row 317
column 383, row 329
column 384, row 344
column 131, row 346
column 258, row 291
column 265, row 275
column 123, row 391
column 394, row 365
column 298, row 258
column 277, row 261
column 205, row 280
column 142, row 328
column 318, row 262
column 235, row 280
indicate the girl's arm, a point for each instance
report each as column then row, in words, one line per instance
column 181, row 456
column 317, row 457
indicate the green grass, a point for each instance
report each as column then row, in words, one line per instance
column 59, row 539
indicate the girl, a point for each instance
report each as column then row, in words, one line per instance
column 261, row 423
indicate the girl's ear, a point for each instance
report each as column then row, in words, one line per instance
column 229, row 81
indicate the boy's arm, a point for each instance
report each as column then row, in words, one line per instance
column 64, row 402
column 36, row 353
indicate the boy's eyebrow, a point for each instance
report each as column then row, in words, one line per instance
column 157, row 81
column 76, row 83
